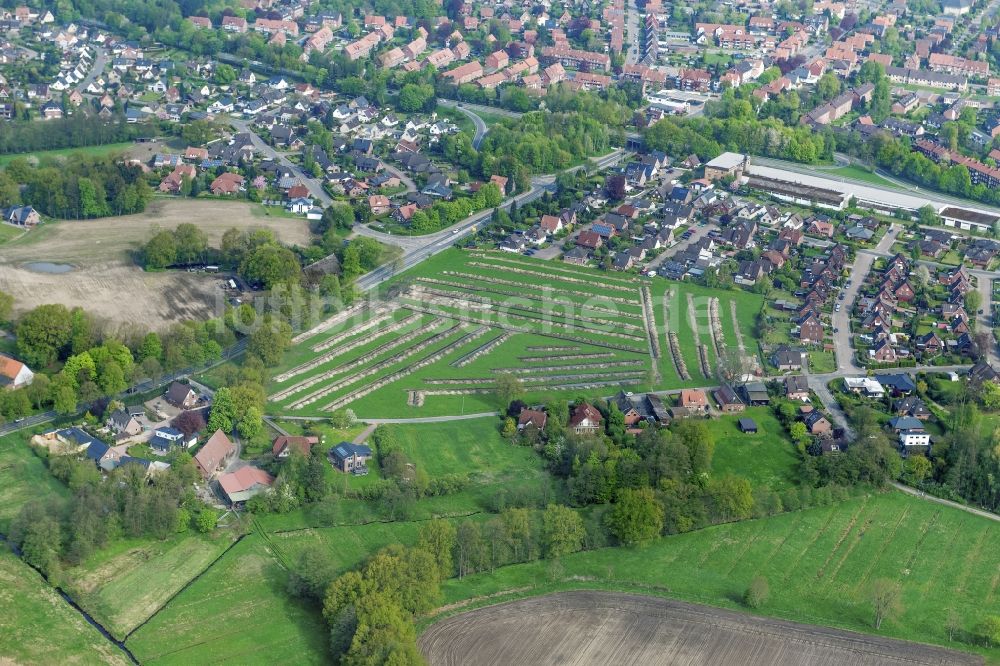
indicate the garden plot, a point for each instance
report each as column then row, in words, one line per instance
column 462, row 319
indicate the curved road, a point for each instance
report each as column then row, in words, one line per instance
column 480, row 124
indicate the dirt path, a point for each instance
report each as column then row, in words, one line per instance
column 598, row 628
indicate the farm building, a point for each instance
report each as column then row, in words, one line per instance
column 244, row 483
column 748, row 425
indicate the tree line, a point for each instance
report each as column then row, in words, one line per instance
column 74, row 131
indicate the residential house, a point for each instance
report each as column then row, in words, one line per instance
column 728, row 401
column 123, row 424
column 797, row 387
column 694, row 401
column 351, row 458
column 585, row 419
column 817, row 424
column 181, row 396
column 165, row 438
column 13, row 373
column 531, row 417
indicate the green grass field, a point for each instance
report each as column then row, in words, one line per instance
column 23, row 478
column 822, row 362
column 38, row 627
column 819, row 563
column 861, row 174
column 766, row 458
column 124, row 585
column 473, row 315
column 237, row 613
column 63, row 152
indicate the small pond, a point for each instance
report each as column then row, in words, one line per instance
column 48, row 267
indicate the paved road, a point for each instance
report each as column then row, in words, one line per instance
column 96, row 67
column 480, row 124
column 842, row 320
column 314, row 185
column 633, row 33
column 938, row 500
column 419, row 248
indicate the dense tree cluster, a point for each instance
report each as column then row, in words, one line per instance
column 184, row 246
column 99, row 513
column 79, row 186
column 85, row 361
column 443, row 214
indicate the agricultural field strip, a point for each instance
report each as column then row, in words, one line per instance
column 577, row 366
column 588, row 281
column 564, row 357
column 552, row 269
column 332, row 321
column 680, row 365
column 692, row 318
column 481, row 350
column 574, row 386
column 715, row 320
column 522, row 315
column 507, row 326
column 540, row 379
column 360, row 328
column 562, row 290
column 553, row 348
column 368, row 356
column 509, row 307
column 546, row 297
column 404, row 372
column 381, row 365
column 348, row 346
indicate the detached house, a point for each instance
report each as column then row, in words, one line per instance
column 585, row 419
column 13, row 373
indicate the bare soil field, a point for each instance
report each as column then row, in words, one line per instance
column 89, row 242
column 104, row 279
column 603, row 628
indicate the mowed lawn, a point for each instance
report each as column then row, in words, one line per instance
column 39, row 627
column 819, row 563
column 471, row 446
column 237, row 613
column 23, row 477
column 126, row 584
column 765, row 458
